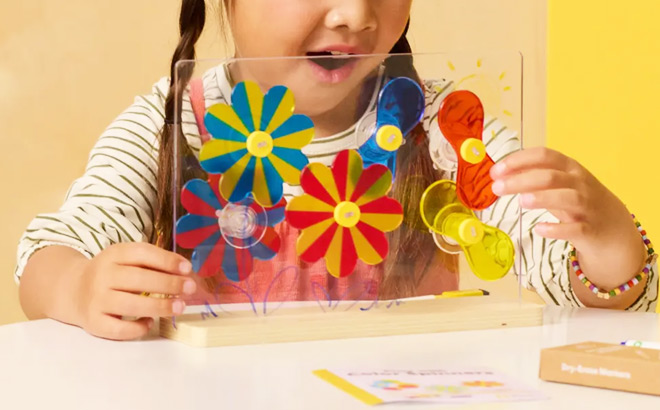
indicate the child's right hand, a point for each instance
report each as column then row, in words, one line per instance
column 111, row 284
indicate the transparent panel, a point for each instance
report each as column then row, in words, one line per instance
column 346, row 182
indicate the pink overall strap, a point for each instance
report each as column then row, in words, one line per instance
column 199, row 107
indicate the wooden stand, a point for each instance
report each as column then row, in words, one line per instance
column 311, row 323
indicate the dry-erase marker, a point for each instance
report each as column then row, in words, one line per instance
column 462, row 293
column 639, row 343
column 450, row 294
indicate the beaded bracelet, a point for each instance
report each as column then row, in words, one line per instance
column 650, row 261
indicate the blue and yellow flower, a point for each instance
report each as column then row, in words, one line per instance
column 256, row 143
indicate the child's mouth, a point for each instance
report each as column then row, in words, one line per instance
column 330, row 60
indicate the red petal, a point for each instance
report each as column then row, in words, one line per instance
column 319, row 248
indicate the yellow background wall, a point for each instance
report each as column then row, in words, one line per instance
column 69, row 67
column 603, row 95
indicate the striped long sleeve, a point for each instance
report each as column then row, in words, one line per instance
column 114, row 201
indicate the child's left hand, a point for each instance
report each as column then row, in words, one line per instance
column 590, row 216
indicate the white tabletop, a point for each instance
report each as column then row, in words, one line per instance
column 47, row 365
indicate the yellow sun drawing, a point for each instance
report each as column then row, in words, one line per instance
column 492, row 87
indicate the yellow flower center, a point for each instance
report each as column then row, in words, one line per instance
column 389, row 138
column 347, row 214
column 260, row 144
column 473, row 150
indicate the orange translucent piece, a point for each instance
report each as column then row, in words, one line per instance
column 461, row 120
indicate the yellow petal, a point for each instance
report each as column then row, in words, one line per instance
column 333, row 256
column 296, row 140
column 256, row 102
column 311, row 234
column 289, row 173
column 283, row 112
column 215, row 148
column 365, row 251
column 227, row 115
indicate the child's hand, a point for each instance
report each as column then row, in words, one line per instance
column 590, row 216
column 111, row 284
column 545, row 179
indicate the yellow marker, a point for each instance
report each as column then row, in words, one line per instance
column 260, row 144
column 450, row 294
column 347, row 214
column 389, row 138
column 473, row 150
column 462, row 293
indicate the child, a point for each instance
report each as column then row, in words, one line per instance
column 88, row 263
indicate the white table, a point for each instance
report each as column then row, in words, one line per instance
column 47, row 365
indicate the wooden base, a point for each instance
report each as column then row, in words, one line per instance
column 311, row 323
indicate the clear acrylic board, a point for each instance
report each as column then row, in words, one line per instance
column 346, row 183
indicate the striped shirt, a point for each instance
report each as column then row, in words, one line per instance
column 115, row 200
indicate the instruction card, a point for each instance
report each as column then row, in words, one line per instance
column 448, row 386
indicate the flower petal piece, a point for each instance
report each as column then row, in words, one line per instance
column 317, row 180
column 192, row 230
column 222, row 123
column 314, row 241
column 346, row 170
column 207, row 257
column 375, row 182
column 297, row 140
column 278, row 107
column 269, row 216
column 260, row 188
column 305, row 211
column 217, row 156
column 289, row 163
column 296, row 132
column 198, row 198
column 236, row 263
column 385, row 214
column 236, row 183
column 247, row 100
column 267, row 247
column 341, row 257
column 266, row 184
column 370, row 243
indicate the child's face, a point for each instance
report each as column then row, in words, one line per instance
column 288, row 28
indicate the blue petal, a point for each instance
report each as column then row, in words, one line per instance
column 202, row 252
column 202, row 190
column 230, row 263
column 191, row 222
column 291, row 156
column 220, row 130
column 272, row 101
column 401, row 103
column 241, row 104
column 295, row 123
column 222, row 163
column 245, row 183
column 262, row 252
column 273, row 180
column 271, row 217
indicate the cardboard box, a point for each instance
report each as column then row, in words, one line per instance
column 616, row 367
